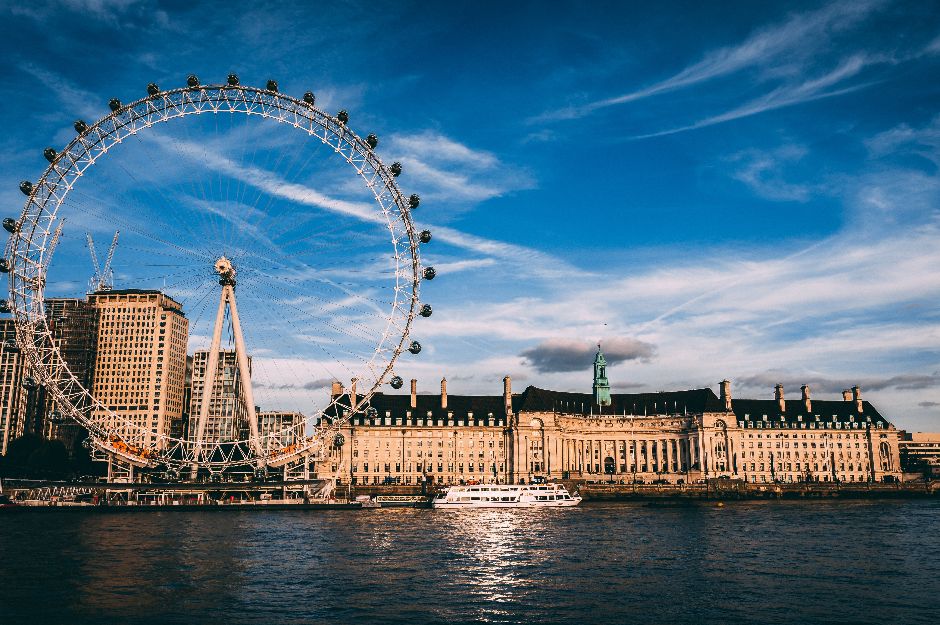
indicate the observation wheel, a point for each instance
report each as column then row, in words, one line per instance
column 225, row 194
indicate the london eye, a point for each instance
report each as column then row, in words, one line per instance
column 222, row 193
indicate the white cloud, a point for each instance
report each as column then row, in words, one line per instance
column 904, row 139
column 831, row 313
column 778, row 48
column 525, row 260
column 788, row 95
column 452, row 173
column 113, row 13
column 761, row 172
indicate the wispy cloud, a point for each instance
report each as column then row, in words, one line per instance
column 905, row 382
column 781, row 45
column 450, row 268
column 525, row 260
column 453, row 173
column 110, row 13
column 761, row 171
column 904, row 139
column 824, row 86
column 80, row 101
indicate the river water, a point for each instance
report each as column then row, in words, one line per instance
column 745, row 562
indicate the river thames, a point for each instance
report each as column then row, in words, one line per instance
column 745, row 562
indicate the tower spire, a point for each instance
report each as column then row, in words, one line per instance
column 601, row 385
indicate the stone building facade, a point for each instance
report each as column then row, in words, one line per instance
column 408, row 439
column 674, row 437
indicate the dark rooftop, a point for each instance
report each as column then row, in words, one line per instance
column 694, row 401
column 752, row 411
column 459, row 407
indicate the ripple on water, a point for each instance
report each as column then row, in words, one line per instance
column 754, row 562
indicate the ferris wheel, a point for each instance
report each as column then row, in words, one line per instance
column 217, row 190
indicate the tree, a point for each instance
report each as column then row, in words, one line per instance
column 18, row 453
column 50, row 460
column 30, row 456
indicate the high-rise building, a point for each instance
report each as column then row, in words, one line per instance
column 180, row 427
column 919, row 452
column 13, row 397
column 279, row 429
column 227, row 419
column 140, row 363
column 73, row 324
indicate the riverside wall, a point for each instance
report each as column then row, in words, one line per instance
column 713, row 490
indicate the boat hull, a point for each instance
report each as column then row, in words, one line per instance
column 471, row 496
column 473, row 505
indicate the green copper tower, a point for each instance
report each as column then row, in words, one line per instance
column 601, row 385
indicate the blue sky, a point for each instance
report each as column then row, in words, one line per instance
column 742, row 190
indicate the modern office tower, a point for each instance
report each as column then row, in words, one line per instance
column 140, row 363
column 279, row 428
column 227, row 418
column 74, row 327
column 13, row 397
column 919, row 452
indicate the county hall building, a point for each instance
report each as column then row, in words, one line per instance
column 675, row 436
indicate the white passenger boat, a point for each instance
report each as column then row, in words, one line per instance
column 506, row 496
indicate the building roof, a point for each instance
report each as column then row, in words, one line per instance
column 752, row 411
column 692, row 401
column 535, row 399
column 128, row 292
column 104, row 294
column 396, row 409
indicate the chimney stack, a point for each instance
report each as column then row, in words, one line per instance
column 507, row 395
column 353, row 399
column 443, row 393
column 336, row 390
column 806, row 400
column 846, row 395
column 778, row 395
column 414, row 393
column 726, row 393
column 857, row 396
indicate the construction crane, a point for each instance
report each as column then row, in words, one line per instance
column 55, row 239
column 103, row 280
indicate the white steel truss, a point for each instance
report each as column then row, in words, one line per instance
column 29, row 252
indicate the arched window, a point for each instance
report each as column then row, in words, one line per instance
column 885, row 450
